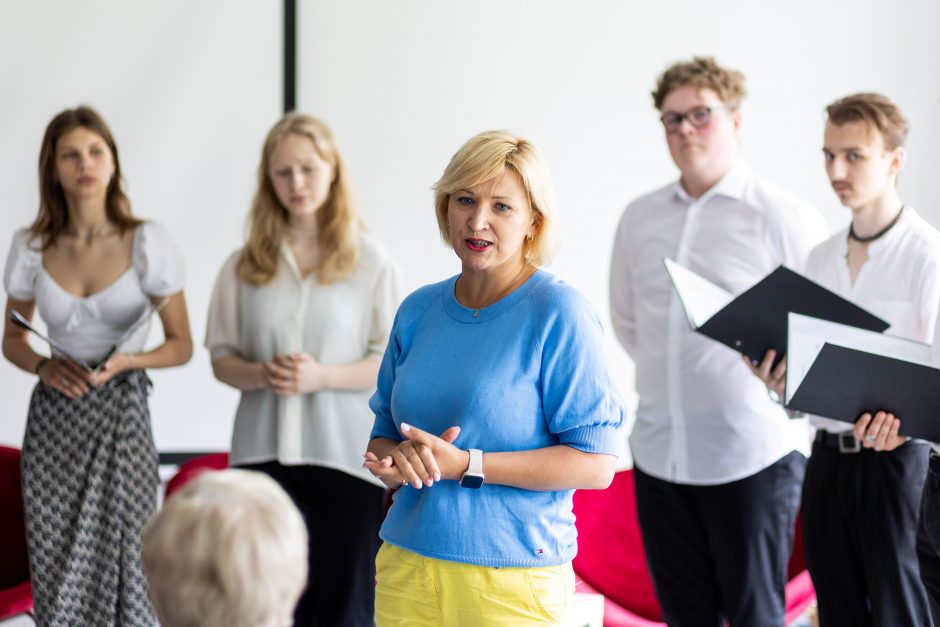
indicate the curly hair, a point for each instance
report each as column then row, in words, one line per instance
column 703, row 73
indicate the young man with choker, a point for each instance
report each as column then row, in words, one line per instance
column 861, row 497
column 718, row 465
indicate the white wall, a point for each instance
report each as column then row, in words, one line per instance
column 191, row 88
column 404, row 84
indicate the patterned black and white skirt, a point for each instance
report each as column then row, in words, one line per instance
column 89, row 486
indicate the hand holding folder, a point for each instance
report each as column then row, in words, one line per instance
column 840, row 372
column 756, row 320
column 93, row 366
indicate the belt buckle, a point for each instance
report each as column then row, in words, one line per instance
column 848, row 443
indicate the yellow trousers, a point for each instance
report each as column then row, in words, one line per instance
column 416, row 591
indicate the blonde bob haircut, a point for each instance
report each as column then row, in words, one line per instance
column 337, row 220
column 487, row 156
column 229, row 549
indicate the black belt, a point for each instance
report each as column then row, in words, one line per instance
column 845, row 441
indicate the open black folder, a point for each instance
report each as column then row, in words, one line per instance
column 756, row 320
column 841, row 372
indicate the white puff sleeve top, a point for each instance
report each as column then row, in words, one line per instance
column 89, row 326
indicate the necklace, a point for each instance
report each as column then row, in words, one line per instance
column 501, row 293
column 871, row 238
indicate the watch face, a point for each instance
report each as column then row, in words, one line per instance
column 471, row 481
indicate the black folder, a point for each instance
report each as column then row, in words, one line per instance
column 844, row 383
column 756, row 320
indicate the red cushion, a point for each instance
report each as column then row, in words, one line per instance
column 191, row 469
column 13, row 556
column 610, row 550
column 16, row 600
column 611, row 559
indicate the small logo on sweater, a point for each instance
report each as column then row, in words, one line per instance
column 540, row 552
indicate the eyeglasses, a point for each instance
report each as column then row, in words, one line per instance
column 698, row 117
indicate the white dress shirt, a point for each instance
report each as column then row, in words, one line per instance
column 900, row 282
column 703, row 417
column 339, row 323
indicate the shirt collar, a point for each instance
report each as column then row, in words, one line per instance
column 732, row 185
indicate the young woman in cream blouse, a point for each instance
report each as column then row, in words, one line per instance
column 89, row 462
column 298, row 322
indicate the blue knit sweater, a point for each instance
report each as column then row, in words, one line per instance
column 529, row 372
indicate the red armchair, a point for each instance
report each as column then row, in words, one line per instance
column 611, row 560
column 16, row 592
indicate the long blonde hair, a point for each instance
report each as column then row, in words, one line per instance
column 337, row 220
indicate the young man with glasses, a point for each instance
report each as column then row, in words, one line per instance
column 718, row 465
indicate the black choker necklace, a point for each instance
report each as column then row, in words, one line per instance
column 871, row 238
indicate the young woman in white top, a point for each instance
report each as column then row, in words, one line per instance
column 859, row 505
column 89, row 463
column 298, row 322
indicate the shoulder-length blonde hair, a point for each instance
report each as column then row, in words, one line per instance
column 53, row 215
column 484, row 157
column 337, row 220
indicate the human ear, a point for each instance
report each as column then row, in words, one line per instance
column 898, row 158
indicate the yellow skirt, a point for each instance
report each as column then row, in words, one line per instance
column 416, row 591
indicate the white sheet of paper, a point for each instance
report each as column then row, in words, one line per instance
column 701, row 299
column 806, row 337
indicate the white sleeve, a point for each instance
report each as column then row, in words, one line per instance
column 23, row 264
column 385, row 301
column 223, row 324
column 158, row 261
column 621, row 288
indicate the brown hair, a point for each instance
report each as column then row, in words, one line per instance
column 484, row 157
column 337, row 221
column 702, row 73
column 876, row 111
column 53, row 210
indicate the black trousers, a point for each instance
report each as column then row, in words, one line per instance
column 343, row 516
column 720, row 552
column 928, row 537
column 860, row 515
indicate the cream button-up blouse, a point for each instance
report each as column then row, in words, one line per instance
column 335, row 324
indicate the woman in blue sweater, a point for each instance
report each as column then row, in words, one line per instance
column 494, row 403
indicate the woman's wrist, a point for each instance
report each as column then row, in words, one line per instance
column 39, row 364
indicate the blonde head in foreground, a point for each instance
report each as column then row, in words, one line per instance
column 227, row 550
